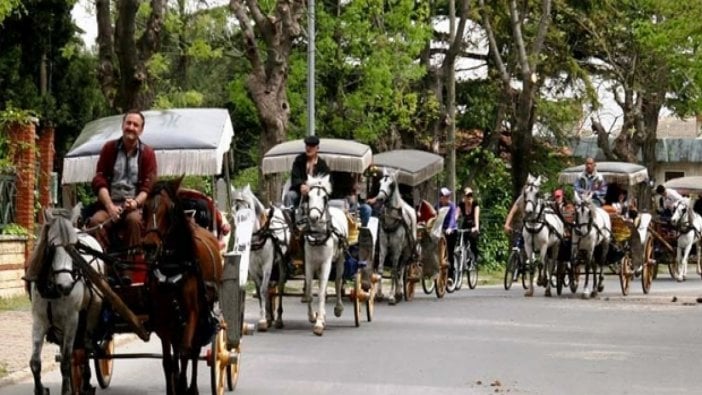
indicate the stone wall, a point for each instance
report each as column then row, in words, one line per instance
column 12, row 252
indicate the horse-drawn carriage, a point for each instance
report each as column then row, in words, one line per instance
column 410, row 175
column 626, row 183
column 187, row 293
column 673, row 235
column 328, row 237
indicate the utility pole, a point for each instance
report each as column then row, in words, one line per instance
column 451, row 104
column 310, row 67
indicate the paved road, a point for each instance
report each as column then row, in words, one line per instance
column 483, row 341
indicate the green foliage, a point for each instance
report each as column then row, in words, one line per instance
column 14, row 230
column 11, row 115
column 246, row 177
column 491, row 183
column 7, row 7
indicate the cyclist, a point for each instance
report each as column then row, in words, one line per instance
column 449, row 225
column 470, row 211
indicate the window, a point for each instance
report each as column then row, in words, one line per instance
column 669, row 175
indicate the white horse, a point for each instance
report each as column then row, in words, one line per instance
column 592, row 228
column 398, row 235
column 543, row 232
column 59, row 295
column 689, row 226
column 325, row 242
column 270, row 242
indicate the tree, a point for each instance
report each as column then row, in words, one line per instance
column 649, row 51
column 268, row 40
column 529, row 27
column 125, row 51
column 7, row 7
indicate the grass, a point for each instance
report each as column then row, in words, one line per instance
column 3, row 370
column 15, row 303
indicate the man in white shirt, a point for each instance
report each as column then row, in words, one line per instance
column 668, row 199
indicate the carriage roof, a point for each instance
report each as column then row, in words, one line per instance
column 413, row 166
column 341, row 155
column 686, row 185
column 189, row 141
column 613, row 172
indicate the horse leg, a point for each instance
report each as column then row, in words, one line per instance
column 382, row 253
column 339, row 308
column 38, row 334
column 320, row 322
column 682, row 272
column 67, row 356
column 261, row 294
column 547, row 272
column 530, row 267
column 588, row 263
column 394, row 275
column 309, row 276
column 281, row 289
column 194, row 353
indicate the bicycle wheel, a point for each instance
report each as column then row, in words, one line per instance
column 471, row 270
column 511, row 269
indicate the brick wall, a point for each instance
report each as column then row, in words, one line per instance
column 46, row 165
column 23, row 152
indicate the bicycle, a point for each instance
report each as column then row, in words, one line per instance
column 516, row 264
column 464, row 263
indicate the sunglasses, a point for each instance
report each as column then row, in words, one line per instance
column 469, row 195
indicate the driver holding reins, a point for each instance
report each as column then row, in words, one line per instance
column 304, row 164
column 591, row 181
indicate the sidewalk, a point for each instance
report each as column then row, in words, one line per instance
column 16, row 346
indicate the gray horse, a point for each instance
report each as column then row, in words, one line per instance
column 59, row 295
column 398, row 235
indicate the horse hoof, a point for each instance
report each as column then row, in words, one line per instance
column 379, row 296
column 318, row 329
column 586, row 295
column 547, row 293
column 338, row 310
column 262, row 326
column 279, row 324
column 392, row 301
column 529, row 293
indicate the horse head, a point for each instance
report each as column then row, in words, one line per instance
column 318, row 198
column 166, row 224
column 584, row 212
column 388, row 187
column 244, row 198
column 680, row 219
column 532, row 201
column 60, row 234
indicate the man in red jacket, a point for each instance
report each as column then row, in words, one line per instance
column 126, row 171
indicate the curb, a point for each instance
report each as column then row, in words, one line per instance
column 51, row 364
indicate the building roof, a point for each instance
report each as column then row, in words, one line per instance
column 668, row 150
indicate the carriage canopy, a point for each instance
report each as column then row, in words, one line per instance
column 341, row 155
column 413, row 166
column 189, row 141
column 686, row 185
column 622, row 173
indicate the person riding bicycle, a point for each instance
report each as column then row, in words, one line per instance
column 469, row 210
column 590, row 181
column 449, row 226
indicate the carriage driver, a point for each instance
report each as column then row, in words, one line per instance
column 591, row 181
column 669, row 197
column 304, row 164
column 126, row 171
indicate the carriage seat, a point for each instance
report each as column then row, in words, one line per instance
column 621, row 228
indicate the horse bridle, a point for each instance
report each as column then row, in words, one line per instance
column 392, row 190
column 589, row 224
column 153, row 223
column 683, row 224
column 325, row 208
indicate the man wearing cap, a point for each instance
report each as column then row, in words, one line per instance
column 449, row 226
column 470, row 211
column 304, row 164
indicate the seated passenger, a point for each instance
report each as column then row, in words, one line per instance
column 203, row 206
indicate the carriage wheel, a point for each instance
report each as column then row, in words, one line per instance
column 221, row 370
column 103, row 367
column 442, row 277
column 626, row 273
column 356, row 299
column 649, row 266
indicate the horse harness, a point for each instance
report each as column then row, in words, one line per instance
column 588, row 225
column 320, row 237
column 688, row 225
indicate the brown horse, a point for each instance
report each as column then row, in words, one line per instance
column 187, row 270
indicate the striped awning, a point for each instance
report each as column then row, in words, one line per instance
column 413, row 166
column 190, row 141
column 613, row 172
column 341, row 155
